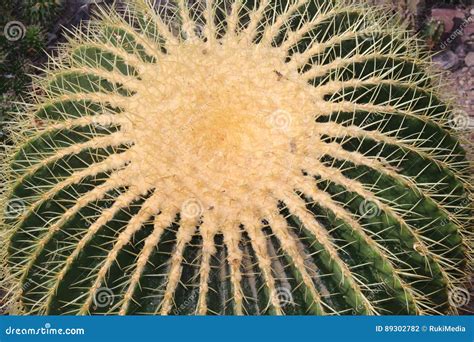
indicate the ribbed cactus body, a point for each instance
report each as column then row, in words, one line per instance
column 267, row 157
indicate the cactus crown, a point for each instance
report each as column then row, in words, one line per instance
column 269, row 157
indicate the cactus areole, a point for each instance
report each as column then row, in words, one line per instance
column 236, row 157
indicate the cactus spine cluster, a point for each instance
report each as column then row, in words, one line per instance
column 242, row 157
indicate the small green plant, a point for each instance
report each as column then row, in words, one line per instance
column 33, row 41
column 432, row 31
column 41, row 11
column 271, row 157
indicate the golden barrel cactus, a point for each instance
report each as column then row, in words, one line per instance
column 236, row 157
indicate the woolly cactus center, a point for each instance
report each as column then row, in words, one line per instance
column 231, row 111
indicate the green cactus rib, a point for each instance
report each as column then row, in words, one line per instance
column 237, row 157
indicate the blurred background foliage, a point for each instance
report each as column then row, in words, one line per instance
column 18, row 56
